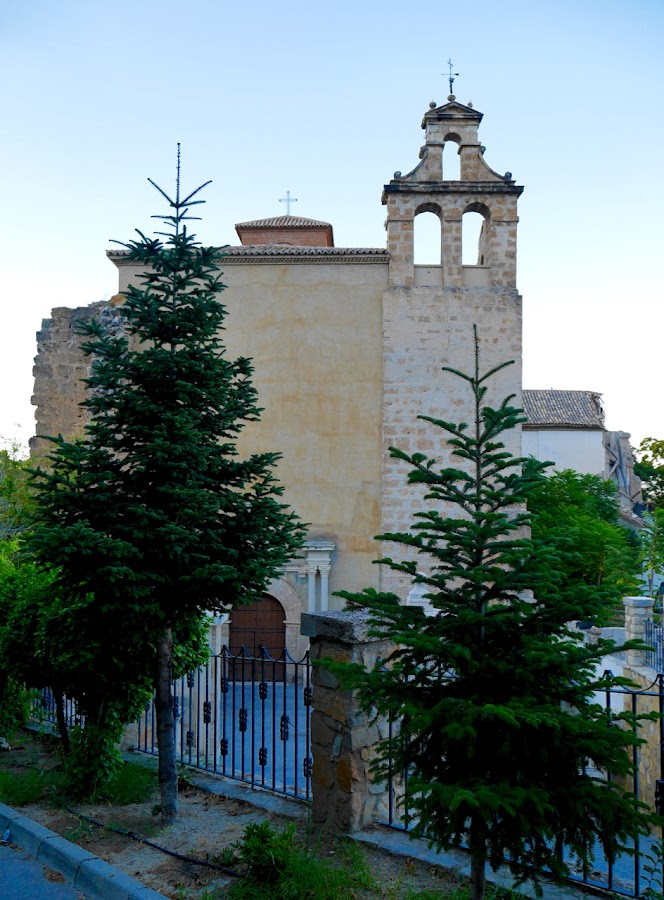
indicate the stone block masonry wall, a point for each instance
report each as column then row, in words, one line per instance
column 343, row 739
column 649, row 753
column 638, row 610
column 59, row 370
column 59, row 367
column 425, row 329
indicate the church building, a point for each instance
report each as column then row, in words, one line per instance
column 347, row 345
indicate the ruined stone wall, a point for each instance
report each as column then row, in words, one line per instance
column 59, row 367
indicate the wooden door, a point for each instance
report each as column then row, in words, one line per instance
column 259, row 625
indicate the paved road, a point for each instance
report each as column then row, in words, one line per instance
column 22, row 878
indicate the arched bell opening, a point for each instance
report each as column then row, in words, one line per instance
column 451, row 158
column 427, row 245
column 475, row 224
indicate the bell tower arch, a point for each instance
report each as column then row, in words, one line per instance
column 448, row 129
column 429, row 311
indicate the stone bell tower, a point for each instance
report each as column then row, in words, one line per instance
column 429, row 311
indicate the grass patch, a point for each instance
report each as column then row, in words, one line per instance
column 34, row 772
column 133, row 783
column 21, row 786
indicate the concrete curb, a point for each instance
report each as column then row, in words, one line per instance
column 86, row 872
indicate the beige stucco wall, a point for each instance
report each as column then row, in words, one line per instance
column 314, row 332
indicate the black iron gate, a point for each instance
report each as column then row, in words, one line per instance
column 243, row 716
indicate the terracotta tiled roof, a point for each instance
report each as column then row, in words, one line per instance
column 563, row 409
column 284, row 222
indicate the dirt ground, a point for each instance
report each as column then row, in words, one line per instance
column 208, row 824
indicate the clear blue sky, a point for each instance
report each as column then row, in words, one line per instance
column 326, row 100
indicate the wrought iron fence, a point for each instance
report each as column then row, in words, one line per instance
column 44, row 709
column 654, row 637
column 640, row 867
column 245, row 717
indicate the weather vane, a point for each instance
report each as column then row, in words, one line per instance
column 288, row 200
column 452, row 75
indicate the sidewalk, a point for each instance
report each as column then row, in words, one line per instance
column 22, row 878
column 84, row 873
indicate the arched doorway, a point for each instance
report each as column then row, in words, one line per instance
column 257, row 626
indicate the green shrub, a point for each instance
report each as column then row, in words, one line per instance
column 279, row 866
column 15, row 705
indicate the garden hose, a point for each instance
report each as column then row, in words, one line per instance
column 142, row 840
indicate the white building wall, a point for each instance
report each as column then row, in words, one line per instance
column 580, row 450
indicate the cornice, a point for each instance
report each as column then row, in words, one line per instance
column 337, row 260
column 343, row 256
column 452, row 187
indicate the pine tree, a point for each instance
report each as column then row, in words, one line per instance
column 153, row 518
column 494, row 692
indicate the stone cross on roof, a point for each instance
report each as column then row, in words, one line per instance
column 288, row 200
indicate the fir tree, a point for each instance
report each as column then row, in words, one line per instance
column 153, row 518
column 495, row 691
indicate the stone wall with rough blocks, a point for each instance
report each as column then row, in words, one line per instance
column 58, row 370
column 649, row 760
column 638, row 611
column 345, row 797
column 425, row 329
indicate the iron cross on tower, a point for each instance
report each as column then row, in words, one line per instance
column 288, row 200
column 452, row 75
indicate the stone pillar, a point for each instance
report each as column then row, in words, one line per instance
column 400, row 237
column 343, row 740
column 451, row 243
column 638, row 610
column 312, row 571
column 324, row 587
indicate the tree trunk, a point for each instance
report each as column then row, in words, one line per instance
column 4, row 679
column 62, row 722
column 477, row 861
column 168, row 775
